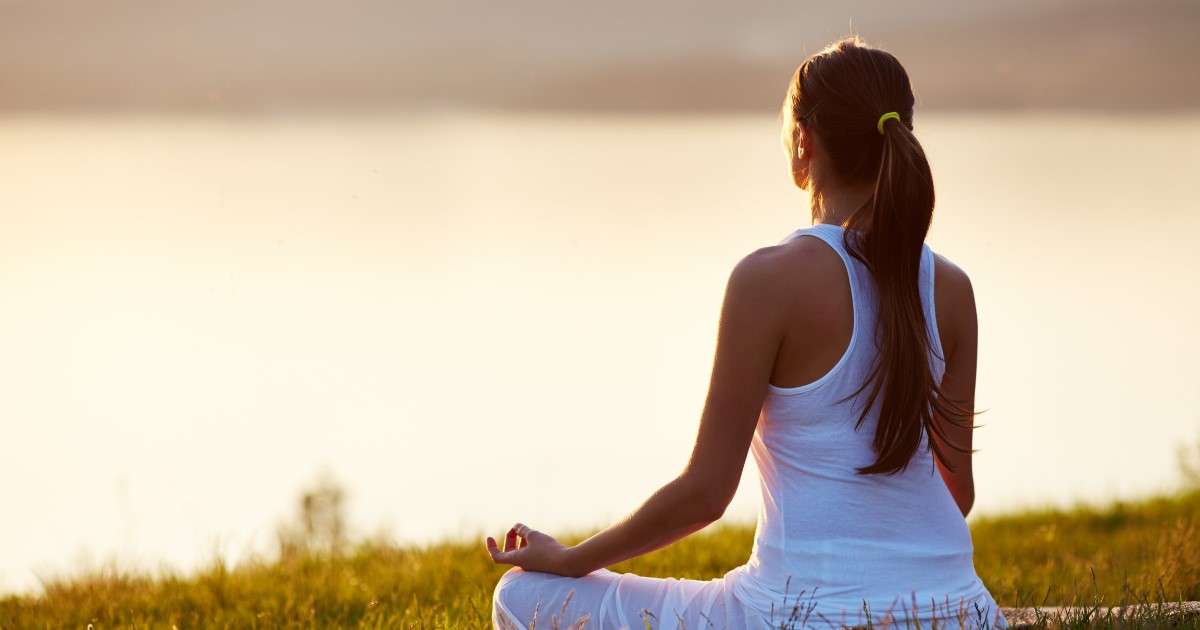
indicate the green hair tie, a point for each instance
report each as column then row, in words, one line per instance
column 883, row 118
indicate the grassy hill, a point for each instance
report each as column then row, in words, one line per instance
column 1116, row 554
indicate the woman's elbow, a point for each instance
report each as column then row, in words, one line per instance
column 706, row 501
column 962, row 490
column 713, row 508
column 965, row 500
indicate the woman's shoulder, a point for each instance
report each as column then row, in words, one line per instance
column 954, row 303
column 793, row 256
column 951, row 281
column 796, row 270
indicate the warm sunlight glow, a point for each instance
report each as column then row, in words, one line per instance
column 200, row 315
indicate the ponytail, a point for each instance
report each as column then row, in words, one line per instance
column 890, row 241
column 887, row 235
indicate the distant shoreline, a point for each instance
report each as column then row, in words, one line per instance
column 386, row 110
column 137, row 56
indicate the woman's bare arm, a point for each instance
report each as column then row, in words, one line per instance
column 757, row 299
column 748, row 339
column 959, row 333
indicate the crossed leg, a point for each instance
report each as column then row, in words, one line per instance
column 605, row 600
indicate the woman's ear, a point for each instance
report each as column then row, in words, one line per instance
column 801, row 156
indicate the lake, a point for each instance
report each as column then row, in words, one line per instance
column 471, row 318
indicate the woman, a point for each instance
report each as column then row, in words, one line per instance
column 849, row 379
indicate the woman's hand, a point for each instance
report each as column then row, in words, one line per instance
column 533, row 551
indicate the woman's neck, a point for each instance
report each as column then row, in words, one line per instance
column 837, row 204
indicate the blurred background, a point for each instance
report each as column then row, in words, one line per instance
column 467, row 257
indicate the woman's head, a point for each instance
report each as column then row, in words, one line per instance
column 839, row 133
column 831, row 116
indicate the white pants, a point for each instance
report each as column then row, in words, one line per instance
column 606, row 600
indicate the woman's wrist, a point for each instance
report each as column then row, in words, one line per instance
column 575, row 564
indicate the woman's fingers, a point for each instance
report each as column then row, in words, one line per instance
column 523, row 532
column 515, row 539
column 498, row 556
column 492, row 548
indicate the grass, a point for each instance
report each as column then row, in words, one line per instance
column 1122, row 553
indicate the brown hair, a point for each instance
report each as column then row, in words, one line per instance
column 839, row 94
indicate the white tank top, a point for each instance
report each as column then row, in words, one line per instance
column 838, row 538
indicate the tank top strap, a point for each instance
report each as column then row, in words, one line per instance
column 853, row 363
column 863, row 288
column 831, row 234
column 834, row 236
column 926, row 285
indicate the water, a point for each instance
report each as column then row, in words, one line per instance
column 471, row 319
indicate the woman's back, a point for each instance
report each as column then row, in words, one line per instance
column 838, row 539
column 858, row 415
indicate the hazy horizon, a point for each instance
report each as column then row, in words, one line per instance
column 270, row 56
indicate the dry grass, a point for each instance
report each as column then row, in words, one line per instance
column 1091, row 557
